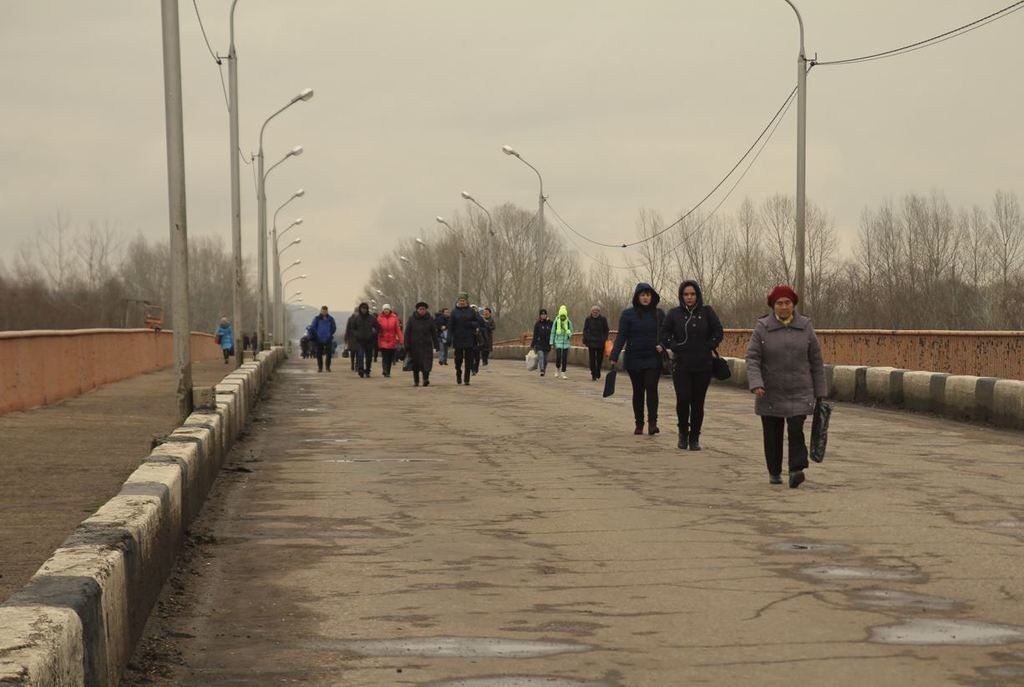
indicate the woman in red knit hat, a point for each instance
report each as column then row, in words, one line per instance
column 786, row 373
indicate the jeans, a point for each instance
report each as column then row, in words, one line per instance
column 542, row 360
column 561, row 358
column 464, row 355
column 773, row 431
column 442, row 355
column 645, row 387
column 324, row 348
column 388, row 355
column 364, row 356
column 691, row 390
column 596, row 356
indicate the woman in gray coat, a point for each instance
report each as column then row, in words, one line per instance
column 786, row 373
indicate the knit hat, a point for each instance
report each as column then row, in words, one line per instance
column 463, row 296
column 421, row 304
column 782, row 291
column 385, row 307
column 543, row 311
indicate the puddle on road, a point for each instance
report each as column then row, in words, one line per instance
column 1010, row 671
column 825, row 572
column 462, row 647
column 791, row 546
column 516, row 681
column 386, row 460
column 1009, row 524
column 332, row 441
column 937, row 631
column 891, row 598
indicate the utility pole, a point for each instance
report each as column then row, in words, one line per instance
column 236, row 198
column 176, row 202
column 801, row 161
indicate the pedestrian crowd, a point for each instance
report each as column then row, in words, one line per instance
column 784, row 363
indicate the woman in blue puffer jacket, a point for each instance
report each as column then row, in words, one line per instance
column 639, row 328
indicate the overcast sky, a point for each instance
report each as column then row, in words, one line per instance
column 622, row 105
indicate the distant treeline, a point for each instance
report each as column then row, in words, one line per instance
column 916, row 263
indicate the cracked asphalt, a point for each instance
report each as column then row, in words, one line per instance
column 516, row 533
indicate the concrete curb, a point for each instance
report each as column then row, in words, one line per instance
column 959, row 397
column 77, row 620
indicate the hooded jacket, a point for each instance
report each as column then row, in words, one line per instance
column 362, row 329
column 639, row 328
column 390, row 331
column 561, row 330
column 323, row 328
column 462, row 326
column 487, row 328
column 786, row 362
column 692, row 333
column 227, row 337
column 542, row 330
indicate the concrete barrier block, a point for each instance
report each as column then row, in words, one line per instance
column 202, row 397
column 738, row 367
column 41, row 646
column 924, row 391
column 960, row 400
column 850, row 382
column 884, row 385
column 228, row 406
column 1008, row 403
column 186, row 456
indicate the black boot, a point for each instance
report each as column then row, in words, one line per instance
column 415, row 378
column 683, row 441
column 694, row 442
column 458, row 376
column 796, row 478
column 652, row 427
column 426, row 379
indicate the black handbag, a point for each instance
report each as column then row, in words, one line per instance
column 609, row 383
column 819, row 430
column 719, row 367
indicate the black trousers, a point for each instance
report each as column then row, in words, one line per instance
column 388, row 356
column 596, row 358
column 691, row 390
column 774, row 427
column 464, row 355
column 484, row 355
column 645, row 388
column 364, row 356
column 561, row 358
column 322, row 350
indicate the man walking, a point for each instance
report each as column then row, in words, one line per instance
column 362, row 330
column 324, row 328
column 463, row 326
column 595, row 337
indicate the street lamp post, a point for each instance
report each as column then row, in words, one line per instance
column 419, row 294
column 261, row 197
column 508, row 150
column 176, row 205
column 441, row 220
column 801, row 160
column 278, row 305
column 272, row 312
column 236, row 197
column 490, row 234
column 437, row 294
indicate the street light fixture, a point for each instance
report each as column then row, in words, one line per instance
column 295, row 278
column 509, row 150
column 261, row 198
column 441, row 220
column 293, row 243
column 490, row 232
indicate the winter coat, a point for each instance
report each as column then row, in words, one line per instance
column 488, row 332
column 390, row 332
column 692, row 334
column 542, row 335
column 462, row 326
column 595, row 331
column 421, row 341
column 561, row 330
column 441, row 324
column 323, row 328
column 227, row 337
column 638, row 332
column 362, row 329
column 786, row 362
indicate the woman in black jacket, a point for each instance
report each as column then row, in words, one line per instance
column 639, row 328
column 420, row 343
column 692, row 332
column 595, row 336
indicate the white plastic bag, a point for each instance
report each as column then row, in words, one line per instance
column 531, row 361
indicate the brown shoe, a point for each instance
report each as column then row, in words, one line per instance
column 639, row 428
column 652, row 428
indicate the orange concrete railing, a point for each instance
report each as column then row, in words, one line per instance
column 41, row 367
column 985, row 354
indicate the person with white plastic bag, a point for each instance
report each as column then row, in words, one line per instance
column 541, row 344
column 531, row 361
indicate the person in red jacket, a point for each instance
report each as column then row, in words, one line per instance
column 389, row 338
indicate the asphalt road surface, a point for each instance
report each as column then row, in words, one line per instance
column 516, row 533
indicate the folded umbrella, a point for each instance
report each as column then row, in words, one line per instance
column 609, row 383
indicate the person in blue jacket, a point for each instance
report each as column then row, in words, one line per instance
column 226, row 339
column 639, row 329
column 323, row 327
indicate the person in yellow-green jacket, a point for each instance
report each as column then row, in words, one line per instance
column 561, row 339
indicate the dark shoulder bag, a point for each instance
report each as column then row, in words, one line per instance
column 719, row 367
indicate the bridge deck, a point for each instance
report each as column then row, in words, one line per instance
column 391, row 535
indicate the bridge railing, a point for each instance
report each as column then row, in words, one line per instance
column 981, row 353
column 43, row 366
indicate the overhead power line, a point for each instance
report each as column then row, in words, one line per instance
column 929, row 42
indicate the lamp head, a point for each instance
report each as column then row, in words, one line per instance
column 298, row 194
column 403, row 258
column 466, row 196
column 298, row 220
column 306, row 94
column 509, row 150
column 420, row 241
column 391, row 276
column 298, row 262
column 295, row 241
column 440, row 219
column 296, row 151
